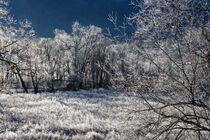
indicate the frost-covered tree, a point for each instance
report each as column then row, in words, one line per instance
column 33, row 64
column 12, row 32
column 172, row 39
column 50, row 60
column 87, row 45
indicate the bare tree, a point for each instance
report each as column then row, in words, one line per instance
column 172, row 36
column 172, row 42
column 11, row 35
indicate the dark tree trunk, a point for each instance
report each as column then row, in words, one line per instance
column 21, row 80
column 35, row 84
column 36, row 89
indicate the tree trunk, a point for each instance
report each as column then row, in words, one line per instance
column 21, row 80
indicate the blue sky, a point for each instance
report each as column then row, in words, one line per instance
column 46, row 15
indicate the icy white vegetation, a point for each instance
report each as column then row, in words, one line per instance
column 165, row 61
column 77, row 115
column 94, row 114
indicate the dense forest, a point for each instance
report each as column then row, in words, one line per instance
column 165, row 60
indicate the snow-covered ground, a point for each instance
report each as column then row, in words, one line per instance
column 92, row 114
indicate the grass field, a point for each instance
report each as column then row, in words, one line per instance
column 89, row 114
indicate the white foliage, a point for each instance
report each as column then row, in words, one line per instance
column 79, row 115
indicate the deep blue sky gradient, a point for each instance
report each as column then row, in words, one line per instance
column 46, row 15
